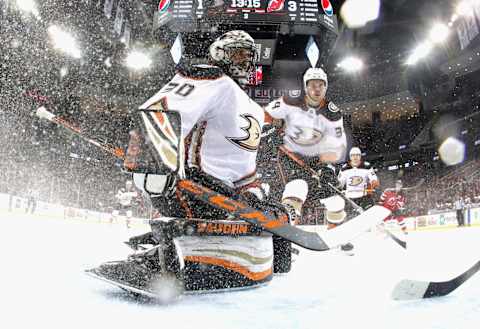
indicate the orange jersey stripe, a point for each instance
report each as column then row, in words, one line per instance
column 254, row 276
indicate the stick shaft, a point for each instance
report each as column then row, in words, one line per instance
column 59, row 121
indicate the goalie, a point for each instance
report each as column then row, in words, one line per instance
column 202, row 126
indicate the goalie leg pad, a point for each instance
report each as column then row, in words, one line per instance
column 225, row 262
column 218, row 254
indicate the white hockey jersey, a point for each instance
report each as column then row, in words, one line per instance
column 310, row 131
column 221, row 124
column 356, row 180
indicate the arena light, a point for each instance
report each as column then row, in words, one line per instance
column 137, row 60
column 351, row 64
column 64, row 42
column 452, row 151
column 357, row 13
column 28, row 6
column 419, row 53
column 439, row 33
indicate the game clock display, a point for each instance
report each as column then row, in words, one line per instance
column 306, row 12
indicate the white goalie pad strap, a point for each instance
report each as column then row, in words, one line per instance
column 153, row 184
column 178, row 249
column 156, row 183
column 138, row 181
column 296, row 189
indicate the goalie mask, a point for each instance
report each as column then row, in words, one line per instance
column 236, row 54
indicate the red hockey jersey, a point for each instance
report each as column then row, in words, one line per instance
column 392, row 200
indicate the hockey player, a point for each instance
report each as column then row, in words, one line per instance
column 359, row 180
column 202, row 126
column 125, row 198
column 314, row 140
column 395, row 201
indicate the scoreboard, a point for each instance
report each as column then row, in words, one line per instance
column 184, row 15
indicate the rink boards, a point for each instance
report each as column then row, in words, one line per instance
column 17, row 205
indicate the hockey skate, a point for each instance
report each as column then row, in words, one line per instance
column 154, row 271
column 149, row 273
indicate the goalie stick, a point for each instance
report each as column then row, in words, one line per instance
column 280, row 226
column 412, row 289
column 240, row 210
column 360, row 210
column 43, row 113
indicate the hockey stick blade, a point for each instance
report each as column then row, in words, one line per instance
column 392, row 236
column 412, row 289
column 360, row 210
column 43, row 113
column 280, row 226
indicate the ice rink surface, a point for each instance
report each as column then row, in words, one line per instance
column 42, row 284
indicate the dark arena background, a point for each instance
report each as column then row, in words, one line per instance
column 405, row 74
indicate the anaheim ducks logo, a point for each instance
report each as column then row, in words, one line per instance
column 306, row 136
column 253, row 130
column 356, row 180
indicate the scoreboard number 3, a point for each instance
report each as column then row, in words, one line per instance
column 292, row 5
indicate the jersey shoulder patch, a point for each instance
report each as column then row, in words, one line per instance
column 332, row 112
column 200, row 71
column 332, row 107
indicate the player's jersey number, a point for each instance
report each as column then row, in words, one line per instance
column 338, row 132
column 179, row 89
